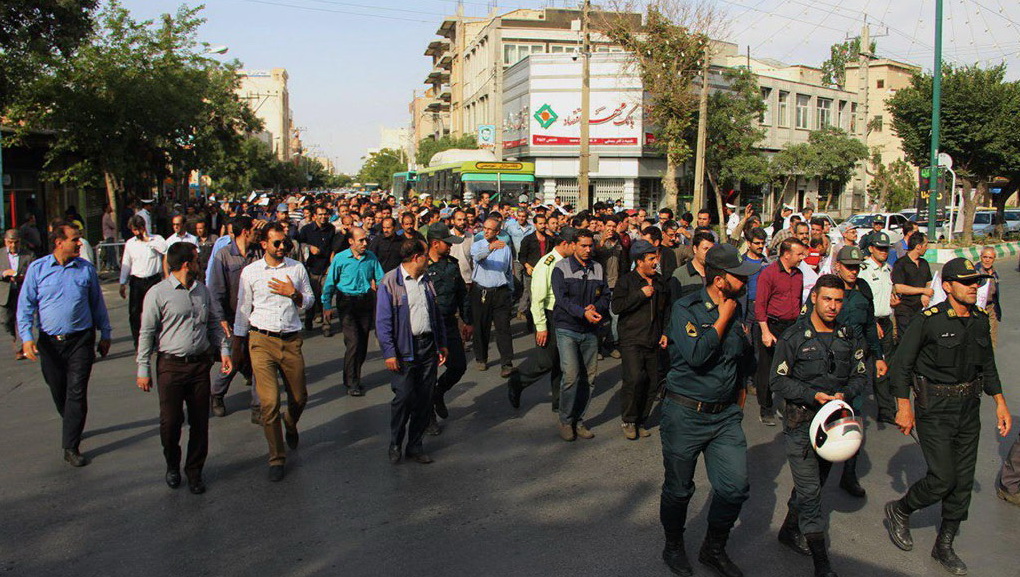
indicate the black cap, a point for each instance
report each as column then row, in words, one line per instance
column 879, row 219
column 880, row 240
column 567, row 234
column 726, row 257
column 439, row 231
column 961, row 269
column 850, row 255
column 641, row 247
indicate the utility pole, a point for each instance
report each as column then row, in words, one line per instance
column 497, row 96
column 699, row 154
column 864, row 57
column 936, row 109
column 582, row 177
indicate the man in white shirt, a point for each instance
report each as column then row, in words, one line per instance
column 273, row 293
column 732, row 219
column 146, row 215
column 878, row 274
column 140, row 268
column 181, row 233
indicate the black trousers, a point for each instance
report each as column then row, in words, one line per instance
column 903, row 317
column 809, row 474
column 138, row 287
column 66, row 367
column 640, row 370
column 883, row 396
column 315, row 311
column 456, row 359
column 182, row 384
column 356, row 314
column 764, row 371
column 546, row 360
column 492, row 306
column 413, row 386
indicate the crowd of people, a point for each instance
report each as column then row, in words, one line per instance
column 793, row 312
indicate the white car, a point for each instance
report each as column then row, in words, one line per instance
column 863, row 222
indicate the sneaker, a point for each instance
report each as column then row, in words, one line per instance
column 643, row 432
column 583, row 431
column 566, row 431
column 629, row 431
column 600, row 357
column 482, row 366
column 218, row 408
column 615, row 354
column 767, row 418
column 1011, row 498
column 433, row 429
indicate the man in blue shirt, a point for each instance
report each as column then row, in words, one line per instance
column 353, row 277
column 491, row 290
column 62, row 291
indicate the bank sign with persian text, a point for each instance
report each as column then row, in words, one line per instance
column 615, row 120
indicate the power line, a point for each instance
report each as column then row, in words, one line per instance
column 314, row 9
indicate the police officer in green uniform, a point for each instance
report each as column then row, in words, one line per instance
column 710, row 358
column 452, row 299
column 817, row 360
column 946, row 357
column 858, row 316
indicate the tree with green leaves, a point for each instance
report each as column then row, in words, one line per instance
column 428, row 147
column 380, row 167
column 669, row 51
column 792, row 162
column 980, row 121
column 841, row 54
column 136, row 103
column 732, row 155
column 893, row 187
column 35, row 36
column 836, row 156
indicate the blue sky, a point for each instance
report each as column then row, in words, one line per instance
column 354, row 64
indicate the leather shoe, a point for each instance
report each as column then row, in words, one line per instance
column 173, row 478
column 276, row 473
column 440, row 404
column 74, row 458
column 852, row 486
column 327, row 330
column 506, row 371
column 196, row 486
column 566, row 431
column 897, row 522
column 219, row 409
column 482, row 366
column 433, row 429
column 583, row 431
column 513, row 390
column 394, row 454
column 356, row 391
column 422, row 458
column 292, row 438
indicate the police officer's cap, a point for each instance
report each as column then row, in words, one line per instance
column 850, row 255
column 961, row 269
column 567, row 234
column 725, row 257
column 879, row 219
column 880, row 240
column 641, row 248
column 439, row 231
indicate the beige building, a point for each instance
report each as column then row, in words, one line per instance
column 266, row 93
column 875, row 84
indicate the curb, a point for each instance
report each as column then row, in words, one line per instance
column 944, row 255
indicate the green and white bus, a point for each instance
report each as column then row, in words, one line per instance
column 504, row 181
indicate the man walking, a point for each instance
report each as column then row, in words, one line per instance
column 807, row 383
column 386, row 246
column 689, row 278
column 318, row 236
column 410, row 330
column 274, row 291
column 178, row 322
column 62, row 291
column 641, row 300
column 876, row 271
column 491, row 293
column 911, row 278
column 776, row 307
column 451, row 298
column 582, row 300
column 353, row 278
column 709, row 360
column 140, row 269
column 13, row 264
column 946, row 357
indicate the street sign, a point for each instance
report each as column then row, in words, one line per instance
column 945, row 160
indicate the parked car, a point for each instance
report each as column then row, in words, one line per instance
column 894, row 222
column 984, row 223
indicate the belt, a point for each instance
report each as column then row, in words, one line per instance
column 955, row 390
column 155, row 276
column 353, row 296
column 492, row 288
column 699, row 406
column 278, row 335
column 424, row 337
column 68, row 336
column 185, row 358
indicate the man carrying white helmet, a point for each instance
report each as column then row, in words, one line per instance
column 816, row 361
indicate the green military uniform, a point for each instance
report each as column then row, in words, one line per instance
column 807, row 362
column 948, row 360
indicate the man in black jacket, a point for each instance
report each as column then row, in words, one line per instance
column 386, row 246
column 641, row 300
column 318, row 236
column 533, row 247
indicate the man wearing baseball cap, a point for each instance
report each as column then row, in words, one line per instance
column 710, row 358
column 946, row 357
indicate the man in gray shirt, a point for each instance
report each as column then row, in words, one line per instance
column 178, row 321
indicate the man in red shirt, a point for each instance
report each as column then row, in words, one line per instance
column 776, row 307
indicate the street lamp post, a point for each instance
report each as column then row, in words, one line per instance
column 936, row 108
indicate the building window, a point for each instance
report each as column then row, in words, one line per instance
column 876, row 123
column 824, row 106
column 803, row 111
column 514, row 53
column 766, row 99
column 880, row 84
column 853, row 118
column 559, row 49
column 784, row 108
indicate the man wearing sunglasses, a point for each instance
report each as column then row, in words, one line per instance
column 816, row 360
column 946, row 357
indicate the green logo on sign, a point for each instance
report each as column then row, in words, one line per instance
column 545, row 116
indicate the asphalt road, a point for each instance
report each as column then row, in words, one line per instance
column 504, row 497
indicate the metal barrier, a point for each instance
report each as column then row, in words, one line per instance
column 108, row 256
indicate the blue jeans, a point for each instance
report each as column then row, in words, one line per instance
column 577, row 360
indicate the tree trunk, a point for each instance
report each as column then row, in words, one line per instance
column 718, row 206
column 669, row 188
column 999, row 202
column 967, row 213
column 111, row 196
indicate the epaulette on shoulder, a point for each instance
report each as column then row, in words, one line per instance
column 932, row 310
column 549, row 260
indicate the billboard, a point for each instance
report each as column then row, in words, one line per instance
column 486, row 136
column 615, row 119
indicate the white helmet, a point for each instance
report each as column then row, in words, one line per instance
column 836, row 433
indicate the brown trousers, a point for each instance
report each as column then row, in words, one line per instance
column 270, row 355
